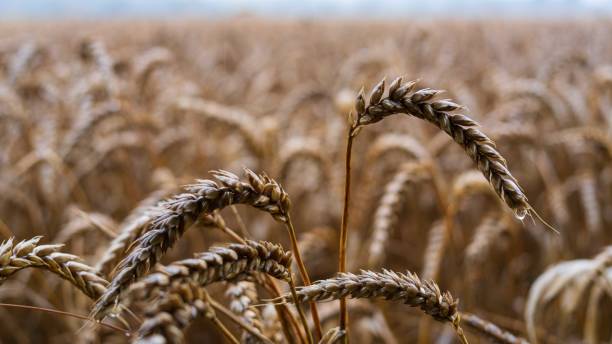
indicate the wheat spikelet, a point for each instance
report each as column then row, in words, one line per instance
column 460, row 127
column 243, row 295
column 588, row 195
column 95, row 51
column 166, row 319
column 387, row 212
column 303, row 148
column 381, row 147
column 483, row 239
column 389, row 285
column 29, row 254
column 19, row 62
column 146, row 64
column 82, row 221
column 535, row 89
column 229, row 263
column 86, row 124
column 434, row 252
column 567, row 280
column 131, row 228
column 237, row 119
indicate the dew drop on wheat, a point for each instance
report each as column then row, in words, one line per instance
column 520, row 214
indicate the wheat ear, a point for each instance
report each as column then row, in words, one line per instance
column 166, row 319
column 388, row 285
column 180, row 212
column 29, row 254
column 463, row 130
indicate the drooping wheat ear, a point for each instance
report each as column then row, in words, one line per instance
column 384, row 145
column 169, row 138
column 243, row 295
column 272, row 326
column 243, row 122
column 599, row 138
column 390, row 142
column 166, row 319
column 484, row 239
column 180, row 212
column 316, row 246
column 506, row 132
column 146, row 64
column 389, row 208
column 590, row 203
column 20, row 199
column 461, row 128
column 537, row 90
column 81, row 221
column 432, row 258
column 29, row 254
column 85, row 125
column 131, row 228
column 303, row 148
column 107, row 146
column 570, row 281
column 230, row 263
column 490, row 330
column 21, row 61
column 95, row 51
column 390, row 285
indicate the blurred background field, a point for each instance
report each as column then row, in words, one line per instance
column 106, row 104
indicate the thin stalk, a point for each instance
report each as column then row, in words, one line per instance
column 232, row 234
column 285, row 316
column 448, row 209
column 225, row 331
column 314, row 313
column 241, row 226
column 300, row 311
column 344, row 227
column 282, row 310
column 74, row 315
column 220, row 308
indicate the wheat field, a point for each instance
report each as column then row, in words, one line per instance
column 262, row 181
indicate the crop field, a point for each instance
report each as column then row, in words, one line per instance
column 300, row 181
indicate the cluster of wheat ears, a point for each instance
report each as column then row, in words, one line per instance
column 230, row 182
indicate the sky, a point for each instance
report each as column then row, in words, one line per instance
column 101, row 9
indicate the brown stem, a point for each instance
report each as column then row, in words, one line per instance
column 233, row 234
column 344, row 228
column 74, row 315
column 305, row 278
column 226, row 333
column 241, row 226
column 220, row 308
column 284, row 315
column 300, row 311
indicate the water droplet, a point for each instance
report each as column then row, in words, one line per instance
column 127, row 334
column 521, row 214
